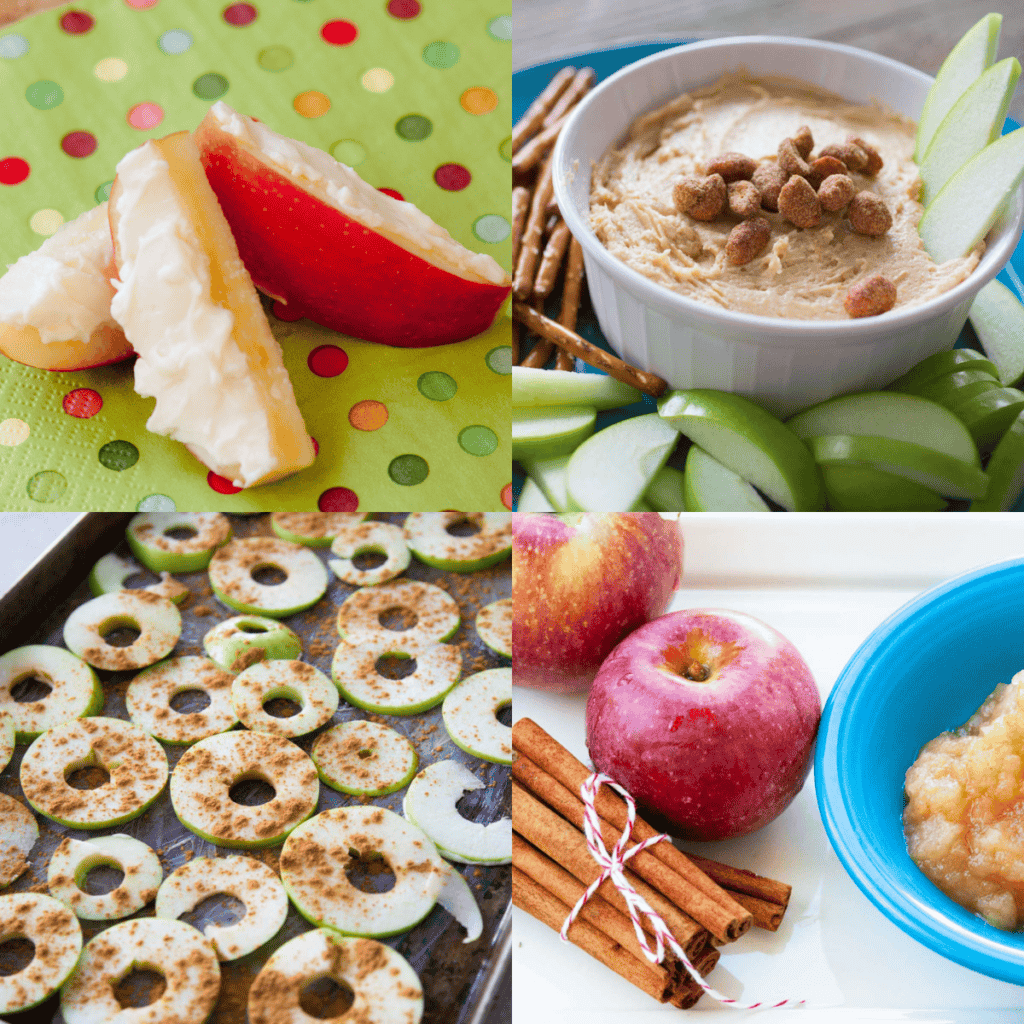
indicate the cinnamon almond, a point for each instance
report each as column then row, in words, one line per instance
column 790, row 159
column 875, row 295
column 744, row 198
column 803, row 140
column 823, row 167
column 731, row 166
column 747, row 241
column 799, row 203
column 868, row 214
column 875, row 162
column 768, row 179
column 702, row 198
column 852, row 155
column 835, row 192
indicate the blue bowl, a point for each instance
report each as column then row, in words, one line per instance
column 924, row 670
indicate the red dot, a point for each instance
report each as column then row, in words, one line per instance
column 240, row 14
column 338, row 499
column 79, row 144
column 221, row 484
column 76, row 23
column 83, row 403
column 13, row 171
column 452, row 177
column 404, row 8
column 506, row 496
column 327, row 360
column 339, row 33
column 394, row 193
column 286, row 313
column 316, row 445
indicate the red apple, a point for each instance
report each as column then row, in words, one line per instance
column 708, row 718
column 580, row 583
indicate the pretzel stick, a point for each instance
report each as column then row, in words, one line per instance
column 649, row 383
column 572, row 286
column 534, row 151
column 551, row 261
column 520, row 208
column 529, row 249
column 552, row 208
column 531, row 121
column 581, row 84
column 542, row 349
column 564, row 361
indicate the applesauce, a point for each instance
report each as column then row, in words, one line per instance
column 964, row 817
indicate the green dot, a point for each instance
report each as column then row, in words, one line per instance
column 210, row 86
column 441, row 54
column 174, row 41
column 478, row 440
column 102, row 194
column 500, row 359
column 408, row 470
column 348, row 151
column 46, row 486
column 44, row 95
column 437, row 385
column 501, row 27
column 119, row 455
column 275, row 58
column 156, row 503
column 505, row 149
column 414, row 127
column 491, row 228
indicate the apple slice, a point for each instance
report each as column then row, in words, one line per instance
column 55, row 302
column 959, row 217
column 939, row 365
column 549, row 476
column 547, row 433
column 966, row 61
column 750, row 442
column 610, row 471
column 990, row 415
column 975, row 120
column 863, row 488
column 313, row 234
column 666, row 491
column 711, row 487
column 532, row 387
column 532, row 499
column 457, row 898
column 948, row 476
column 955, row 389
column 998, row 319
column 1005, row 470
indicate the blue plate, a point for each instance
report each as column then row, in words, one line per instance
column 925, row 670
column 529, row 82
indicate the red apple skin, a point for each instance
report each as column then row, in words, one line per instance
column 580, row 583
column 715, row 759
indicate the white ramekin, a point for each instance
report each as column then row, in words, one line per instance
column 783, row 364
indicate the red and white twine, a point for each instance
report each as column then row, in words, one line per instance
column 612, row 863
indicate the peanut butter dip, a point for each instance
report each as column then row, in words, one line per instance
column 803, row 273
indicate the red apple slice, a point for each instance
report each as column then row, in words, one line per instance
column 55, row 302
column 313, row 234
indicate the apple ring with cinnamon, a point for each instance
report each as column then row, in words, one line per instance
column 156, row 619
column 494, row 626
column 233, row 572
column 244, row 640
column 364, row 758
column 470, row 714
column 432, row 542
column 296, row 681
column 111, row 572
column 151, row 537
column 313, row 529
column 18, row 834
column 433, row 613
column 369, row 538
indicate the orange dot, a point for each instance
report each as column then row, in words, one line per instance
column 479, row 100
column 311, row 104
column 368, row 415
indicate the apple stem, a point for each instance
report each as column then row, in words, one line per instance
column 696, row 672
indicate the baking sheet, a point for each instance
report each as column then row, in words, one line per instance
column 456, row 977
column 825, row 582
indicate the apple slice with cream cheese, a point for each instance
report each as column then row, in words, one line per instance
column 711, row 487
column 533, row 387
column 863, row 488
column 1005, row 469
column 998, row 319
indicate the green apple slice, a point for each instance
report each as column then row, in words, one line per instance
column 150, row 535
column 236, row 643
column 665, row 493
column 470, row 714
column 494, row 626
column 856, row 488
column 384, row 539
column 956, row 388
column 1005, row 470
column 947, row 476
column 940, row 365
column 966, row 61
column 232, row 580
column 533, row 387
column 111, row 571
column 434, row 611
column 975, row 120
column 430, row 803
column 457, row 898
column 711, row 487
column 990, row 415
column 18, row 834
column 885, row 414
column 314, row 529
column 549, row 476
column 749, row 441
column 959, row 217
column 430, row 538
column 610, row 471
column 156, row 618
column 998, row 319
column 295, row 681
column 364, row 758
column 8, row 738
column 641, row 506
column 545, row 433
column 533, row 500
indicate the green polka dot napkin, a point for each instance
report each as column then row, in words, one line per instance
column 415, row 94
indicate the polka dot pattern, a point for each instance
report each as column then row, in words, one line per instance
column 338, row 499
column 441, row 54
column 437, row 385
column 394, row 193
column 221, row 484
column 414, row 127
column 13, row 46
column 311, row 103
column 13, row 432
column 405, row 10
column 339, row 33
column 285, row 313
column 328, row 360
column 79, row 144
column 46, row 222
column 210, row 86
column 478, row 440
column 492, row 228
column 240, row 14
column 118, row 455
column 408, row 470
column 102, row 193
column 500, row 359
column 507, row 496
column 46, row 486
column 348, row 151
column 275, row 58
column 175, row 41
column 368, row 415
column 501, row 28
column 13, row 170
column 112, row 69
column 145, row 116
column 505, row 149
column 141, row 5
column 76, row 23
column 44, row 95
column 377, row 80
column 452, row 177
column 156, row 503
column 82, row 403
column 479, row 100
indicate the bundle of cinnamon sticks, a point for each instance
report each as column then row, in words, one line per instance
column 705, row 904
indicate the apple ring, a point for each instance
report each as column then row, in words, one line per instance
column 135, row 762
column 75, row 690
column 470, row 715
column 429, row 539
column 231, row 577
column 18, row 834
column 149, row 694
column 202, row 780
column 385, row 988
column 316, row 855
column 110, row 572
column 176, row 950
column 57, row 936
column 494, row 626
column 75, row 858
column 245, row 878
column 316, row 695
column 148, row 536
column 363, row 538
column 8, row 738
column 354, row 669
column 437, row 614
column 364, row 758
column 430, row 804
column 237, row 643
column 156, row 618
column 313, row 529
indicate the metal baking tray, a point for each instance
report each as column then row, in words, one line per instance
column 461, row 982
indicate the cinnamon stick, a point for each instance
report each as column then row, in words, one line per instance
column 581, row 84
column 551, row 261
column 572, row 286
column 569, row 340
column 532, row 120
column 743, row 881
column 766, row 915
column 529, row 249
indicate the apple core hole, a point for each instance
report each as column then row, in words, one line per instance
column 476, row 806
column 252, row 791
column 365, row 754
column 398, row 619
column 139, row 987
column 119, row 631
column 87, row 776
column 221, row 909
column 325, row 999
column 187, row 702
column 395, row 666
column 269, row 575
column 101, row 879
column 369, row 872
column 16, row 953
column 180, row 533
column 251, row 627
column 504, row 714
column 369, row 559
column 30, row 689
column 464, row 527
column 139, row 580
column 281, row 707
